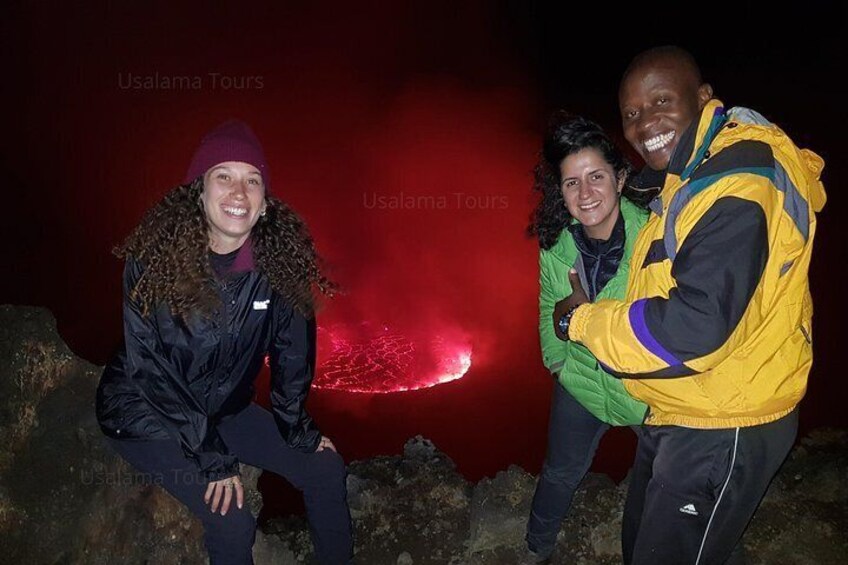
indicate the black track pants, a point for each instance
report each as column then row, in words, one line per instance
column 692, row 492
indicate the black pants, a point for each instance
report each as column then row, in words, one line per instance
column 692, row 492
column 573, row 436
column 252, row 436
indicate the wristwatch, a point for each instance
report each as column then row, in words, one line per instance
column 565, row 321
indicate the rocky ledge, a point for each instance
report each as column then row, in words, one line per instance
column 66, row 498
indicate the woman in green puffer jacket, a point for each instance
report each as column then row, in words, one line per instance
column 584, row 224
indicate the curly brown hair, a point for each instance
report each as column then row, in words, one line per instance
column 569, row 134
column 172, row 242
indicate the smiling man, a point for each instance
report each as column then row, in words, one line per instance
column 715, row 331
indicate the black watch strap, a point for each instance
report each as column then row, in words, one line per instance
column 565, row 321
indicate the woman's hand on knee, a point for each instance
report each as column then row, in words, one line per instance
column 221, row 493
column 326, row 443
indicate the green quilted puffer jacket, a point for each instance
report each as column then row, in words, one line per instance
column 577, row 369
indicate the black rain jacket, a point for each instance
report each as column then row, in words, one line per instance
column 175, row 378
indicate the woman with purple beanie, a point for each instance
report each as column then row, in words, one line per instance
column 219, row 275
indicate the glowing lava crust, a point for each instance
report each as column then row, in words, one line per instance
column 377, row 359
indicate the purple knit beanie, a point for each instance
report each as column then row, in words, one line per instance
column 230, row 141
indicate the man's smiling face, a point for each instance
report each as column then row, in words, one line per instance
column 659, row 99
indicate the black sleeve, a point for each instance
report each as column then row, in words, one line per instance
column 164, row 387
column 292, row 358
column 717, row 270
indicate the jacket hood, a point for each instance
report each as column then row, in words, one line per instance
column 695, row 142
column 815, row 187
column 696, row 139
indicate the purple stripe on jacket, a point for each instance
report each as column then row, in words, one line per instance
column 640, row 328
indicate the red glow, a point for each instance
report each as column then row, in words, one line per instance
column 360, row 112
column 373, row 358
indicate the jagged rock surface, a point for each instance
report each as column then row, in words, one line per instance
column 803, row 519
column 65, row 497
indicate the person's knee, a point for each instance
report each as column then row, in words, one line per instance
column 562, row 474
column 329, row 465
column 327, row 471
column 236, row 530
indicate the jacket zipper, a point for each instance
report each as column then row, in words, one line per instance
column 226, row 344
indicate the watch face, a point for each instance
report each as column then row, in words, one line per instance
column 563, row 323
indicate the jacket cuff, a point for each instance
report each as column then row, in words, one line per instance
column 220, row 473
column 216, row 466
column 579, row 321
column 308, row 442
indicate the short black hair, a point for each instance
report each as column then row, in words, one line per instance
column 665, row 51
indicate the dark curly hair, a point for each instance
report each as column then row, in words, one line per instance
column 172, row 242
column 567, row 134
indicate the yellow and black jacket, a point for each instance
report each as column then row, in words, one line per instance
column 715, row 331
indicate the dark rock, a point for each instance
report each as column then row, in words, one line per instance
column 499, row 510
column 500, row 507
column 804, row 515
column 417, row 505
column 69, row 498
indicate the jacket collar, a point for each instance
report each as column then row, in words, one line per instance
column 244, row 259
column 696, row 140
column 593, row 247
column 690, row 152
column 648, row 183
